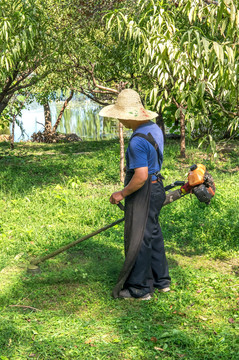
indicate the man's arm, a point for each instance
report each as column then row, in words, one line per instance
column 137, row 181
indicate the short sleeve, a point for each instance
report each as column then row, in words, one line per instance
column 138, row 153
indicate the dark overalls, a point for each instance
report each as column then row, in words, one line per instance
column 151, row 268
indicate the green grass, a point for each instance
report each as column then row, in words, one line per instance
column 51, row 195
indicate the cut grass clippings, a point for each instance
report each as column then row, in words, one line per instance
column 52, row 195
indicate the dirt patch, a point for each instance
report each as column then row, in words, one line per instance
column 51, row 137
column 225, row 267
column 226, row 148
column 5, row 137
column 236, row 169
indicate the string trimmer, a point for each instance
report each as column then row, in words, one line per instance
column 200, row 183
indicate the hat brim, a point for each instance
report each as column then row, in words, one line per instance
column 137, row 114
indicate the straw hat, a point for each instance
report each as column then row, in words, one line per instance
column 128, row 106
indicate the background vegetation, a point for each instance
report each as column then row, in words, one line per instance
column 51, row 195
column 182, row 56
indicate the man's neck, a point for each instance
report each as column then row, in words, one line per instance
column 136, row 124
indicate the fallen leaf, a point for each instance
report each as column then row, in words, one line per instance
column 153, row 339
column 182, row 314
column 88, row 341
column 231, row 320
column 158, row 348
column 202, row 318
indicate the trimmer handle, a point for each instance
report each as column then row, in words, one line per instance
column 174, row 184
column 121, row 206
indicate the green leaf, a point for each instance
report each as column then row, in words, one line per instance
column 193, row 99
column 233, row 13
column 206, row 45
column 223, row 26
column 177, row 113
column 7, row 64
column 219, row 51
column 165, row 94
column 201, row 89
column 230, row 54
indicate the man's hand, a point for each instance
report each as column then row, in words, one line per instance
column 137, row 181
column 116, row 197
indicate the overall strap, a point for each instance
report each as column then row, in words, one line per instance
column 149, row 137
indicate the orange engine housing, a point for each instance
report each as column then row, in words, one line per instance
column 196, row 176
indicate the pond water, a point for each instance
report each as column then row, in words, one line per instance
column 80, row 117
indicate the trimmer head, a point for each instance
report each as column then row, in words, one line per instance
column 33, row 269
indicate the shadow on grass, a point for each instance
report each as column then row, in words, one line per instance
column 80, row 320
column 34, row 165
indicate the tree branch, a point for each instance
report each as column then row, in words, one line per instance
column 21, row 78
column 92, row 97
column 62, row 111
column 33, row 82
column 229, row 113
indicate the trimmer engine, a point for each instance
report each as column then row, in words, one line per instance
column 200, row 183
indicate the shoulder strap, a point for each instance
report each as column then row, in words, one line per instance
column 149, row 137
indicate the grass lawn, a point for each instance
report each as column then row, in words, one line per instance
column 51, row 195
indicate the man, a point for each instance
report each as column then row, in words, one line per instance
column 145, row 266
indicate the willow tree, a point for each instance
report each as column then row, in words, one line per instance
column 189, row 49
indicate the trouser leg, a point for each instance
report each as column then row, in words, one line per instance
column 159, row 264
column 151, row 251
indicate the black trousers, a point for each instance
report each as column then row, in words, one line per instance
column 151, row 265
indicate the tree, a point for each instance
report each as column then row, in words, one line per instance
column 24, row 44
column 189, row 49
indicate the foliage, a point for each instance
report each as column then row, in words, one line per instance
column 25, row 43
column 190, row 51
column 183, row 56
column 42, row 44
column 54, row 194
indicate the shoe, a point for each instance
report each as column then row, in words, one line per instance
column 164, row 290
column 125, row 294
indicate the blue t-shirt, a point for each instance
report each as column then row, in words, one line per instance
column 140, row 153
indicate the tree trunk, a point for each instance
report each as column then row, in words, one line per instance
column 62, row 111
column 121, row 138
column 47, row 115
column 160, row 123
column 3, row 105
column 182, row 138
column 13, row 132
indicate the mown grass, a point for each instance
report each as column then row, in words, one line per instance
column 51, row 195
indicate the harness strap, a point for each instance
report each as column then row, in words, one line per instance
column 149, row 137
